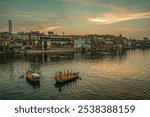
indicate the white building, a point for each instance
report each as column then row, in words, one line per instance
column 82, row 43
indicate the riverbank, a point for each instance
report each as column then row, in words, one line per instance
column 43, row 51
column 54, row 50
column 51, row 50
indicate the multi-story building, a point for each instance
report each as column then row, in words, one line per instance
column 83, row 43
column 60, row 41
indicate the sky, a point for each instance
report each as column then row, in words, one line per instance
column 131, row 18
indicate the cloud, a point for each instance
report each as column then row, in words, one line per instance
column 25, row 15
column 15, row 14
column 52, row 27
column 49, row 28
column 99, row 4
column 85, row 2
column 129, row 29
column 114, row 7
column 109, row 18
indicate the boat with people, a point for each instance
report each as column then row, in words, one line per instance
column 33, row 76
column 63, row 77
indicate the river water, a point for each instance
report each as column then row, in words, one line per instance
column 123, row 75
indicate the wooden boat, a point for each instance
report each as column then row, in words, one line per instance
column 66, row 76
column 61, row 84
column 33, row 76
column 34, row 84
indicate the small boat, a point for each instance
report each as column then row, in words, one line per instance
column 66, row 76
column 34, row 84
column 61, row 84
column 33, row 76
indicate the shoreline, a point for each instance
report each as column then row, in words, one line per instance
column 54, row 50
column 44, row 51
column 48, row 51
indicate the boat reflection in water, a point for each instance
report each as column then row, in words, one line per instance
column 67, row 84
column 35, row 84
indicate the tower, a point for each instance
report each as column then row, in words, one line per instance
column 10, row 26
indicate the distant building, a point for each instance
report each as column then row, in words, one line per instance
column 82, row 43
column 60, row 41
column 45, row 42
column 50, row 33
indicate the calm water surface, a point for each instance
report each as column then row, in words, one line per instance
column 115, row 76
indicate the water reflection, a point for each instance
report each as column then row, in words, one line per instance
column 66, row 56
column 66, row 85
column 34, row 84
column 61, row 56
column 102, row 73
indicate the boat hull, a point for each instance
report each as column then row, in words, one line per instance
column 66, row 78
column 60, row 84
column 32, row 76
column 33, row 79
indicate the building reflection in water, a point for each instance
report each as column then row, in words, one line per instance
column 66, row 85
column 43, row 58
column 34, row 84
column 61, row 56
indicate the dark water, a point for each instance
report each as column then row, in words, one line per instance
column 115, row 76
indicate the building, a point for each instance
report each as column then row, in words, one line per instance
column 82, row 43
column 60, row 41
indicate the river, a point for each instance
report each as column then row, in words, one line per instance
column 123, row 75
